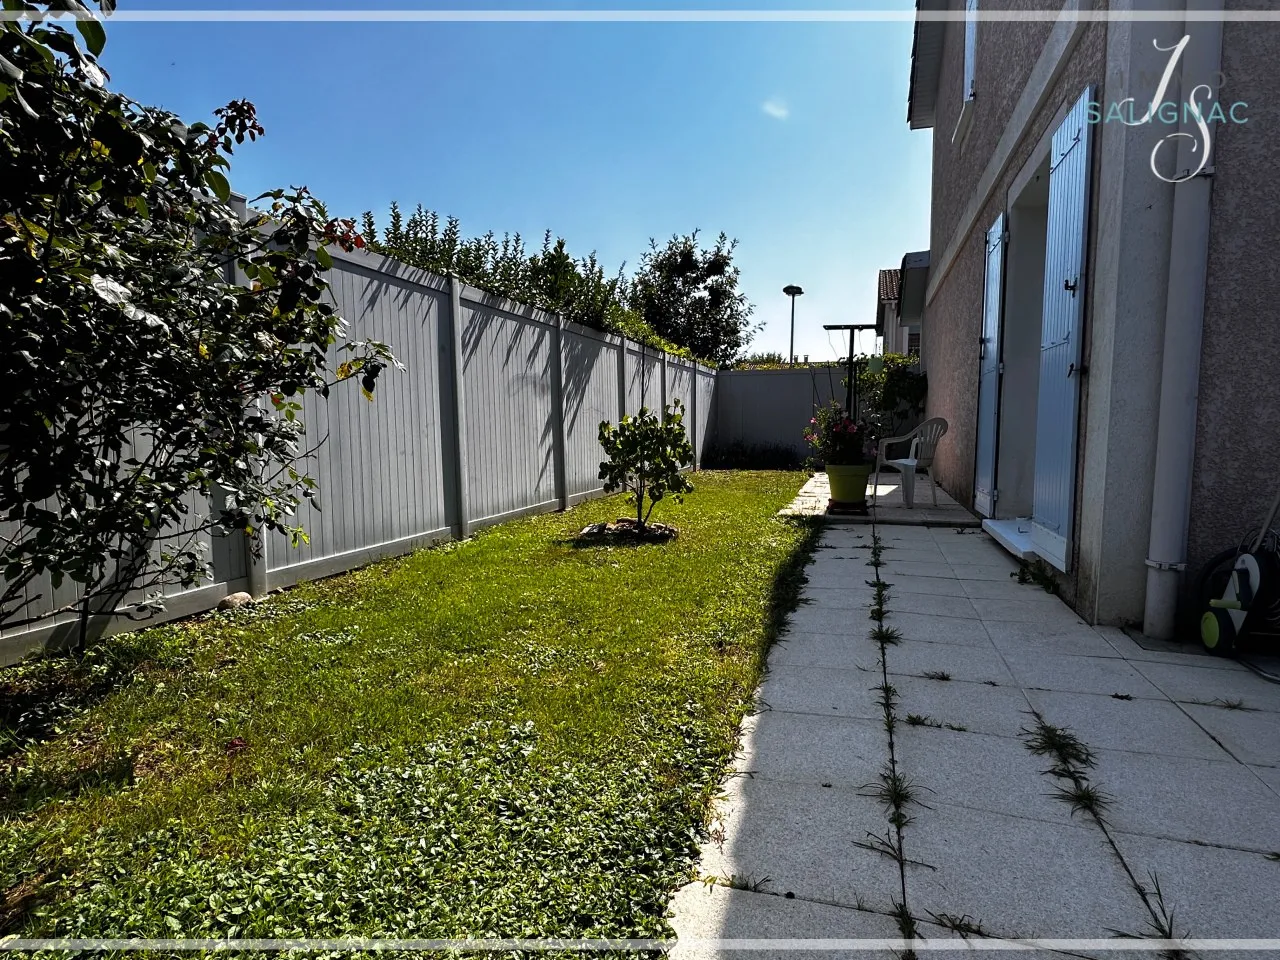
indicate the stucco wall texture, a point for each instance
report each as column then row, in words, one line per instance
column 1237, row 460
column 1006, row 53
column 953, row 318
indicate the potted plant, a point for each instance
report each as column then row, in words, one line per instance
column 846, row 447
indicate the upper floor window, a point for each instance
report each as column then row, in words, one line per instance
column 970, row 69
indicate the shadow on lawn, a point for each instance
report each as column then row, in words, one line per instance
column 39, row 694
column 784, row 594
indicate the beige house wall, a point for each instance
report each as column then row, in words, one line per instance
column 1062, row 60
column 1237, row 462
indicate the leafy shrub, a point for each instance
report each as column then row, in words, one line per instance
column 776, row 361
column 690, row 295
column 766, row 359
column 683, row 299
column 646, row 455
column 550, row 279
column 895, row 393
column 134, row 363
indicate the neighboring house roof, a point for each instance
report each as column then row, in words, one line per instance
column 890, row 284
column 926, row 66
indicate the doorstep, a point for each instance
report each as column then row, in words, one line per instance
column 1013, row 535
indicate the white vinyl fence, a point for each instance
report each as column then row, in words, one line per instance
column 495, row 417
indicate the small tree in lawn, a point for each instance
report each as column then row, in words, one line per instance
column 646, row 455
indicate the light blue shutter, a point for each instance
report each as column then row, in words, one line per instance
column 984, row 474
column 1058, row 402
column 970, row 47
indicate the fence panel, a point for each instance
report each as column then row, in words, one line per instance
column 226, row 556
column 590, row 395
column 680, row 384
column 506, row 362
column 705, row 380
column 380, row 466
column 644, row 378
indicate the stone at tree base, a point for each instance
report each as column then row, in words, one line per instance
column 234, row 600
column 625, row 527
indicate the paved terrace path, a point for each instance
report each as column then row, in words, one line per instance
column 1184, row 750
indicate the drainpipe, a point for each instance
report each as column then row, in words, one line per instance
column 1183, row 324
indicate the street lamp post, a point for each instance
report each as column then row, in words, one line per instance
column 792, row 291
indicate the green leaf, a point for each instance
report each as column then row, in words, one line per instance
column 10, row 69
column 26, row 107
column 323, row 258
column 218, row 184
column 95, row 38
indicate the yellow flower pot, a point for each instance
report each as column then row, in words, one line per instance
column 849, row 483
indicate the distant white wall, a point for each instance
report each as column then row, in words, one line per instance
column 771, row 408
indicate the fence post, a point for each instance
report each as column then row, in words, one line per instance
column 557, row 402
column 693, row 410
column 462, row 529
column 256, row 566
column 663, row 377
column 622, row 378
column 256, row 561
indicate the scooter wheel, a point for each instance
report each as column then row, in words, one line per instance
column 1218, row 632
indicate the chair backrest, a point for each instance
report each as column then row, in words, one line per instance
column 924, row 440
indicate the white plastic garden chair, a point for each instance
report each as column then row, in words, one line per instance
column 924, row 441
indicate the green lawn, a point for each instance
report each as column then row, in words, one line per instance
column 513, row 736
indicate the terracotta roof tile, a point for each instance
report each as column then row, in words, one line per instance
column 890, row 284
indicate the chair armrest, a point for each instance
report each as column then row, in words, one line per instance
column 883, row 445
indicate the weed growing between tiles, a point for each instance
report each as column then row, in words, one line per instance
column 1224, row 703
column 894, row 791
column 739, row 881
column 963, row 925
column 1038, row 573
column 1162, row 922
column 922, row 720
column 1072, row 760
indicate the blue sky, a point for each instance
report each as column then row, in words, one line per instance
column 791, row 137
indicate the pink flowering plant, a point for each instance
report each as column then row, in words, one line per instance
column 839, row 439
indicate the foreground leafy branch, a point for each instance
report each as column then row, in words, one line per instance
column 159, row 343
